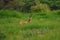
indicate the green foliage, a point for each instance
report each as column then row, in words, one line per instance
column 2, row 36
column 57, row 12
column 40, row 8
column 28, row 5
column 9, row 13
column 44, row 26
column 53, row 4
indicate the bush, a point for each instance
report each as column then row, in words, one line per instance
column 40, row 8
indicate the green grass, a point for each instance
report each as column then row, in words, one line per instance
column 44, row 26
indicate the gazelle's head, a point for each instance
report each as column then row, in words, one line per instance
column 30, row 19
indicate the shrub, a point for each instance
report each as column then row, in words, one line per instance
column 40, row 8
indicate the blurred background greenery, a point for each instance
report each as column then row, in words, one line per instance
column 45, row 23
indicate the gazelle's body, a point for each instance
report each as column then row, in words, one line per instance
column 25, row 22
column 22, row 22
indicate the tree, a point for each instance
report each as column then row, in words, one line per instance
column 53, row 4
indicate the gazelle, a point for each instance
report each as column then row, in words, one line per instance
column 25, row 22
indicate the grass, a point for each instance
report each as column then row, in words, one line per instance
column 44, row 26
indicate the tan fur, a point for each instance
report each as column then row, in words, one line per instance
column 25, row 22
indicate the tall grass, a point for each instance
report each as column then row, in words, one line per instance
column 44, row 26
column 9, row 13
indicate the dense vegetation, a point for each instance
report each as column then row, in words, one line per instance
column 45, row 24
column 28, row 5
